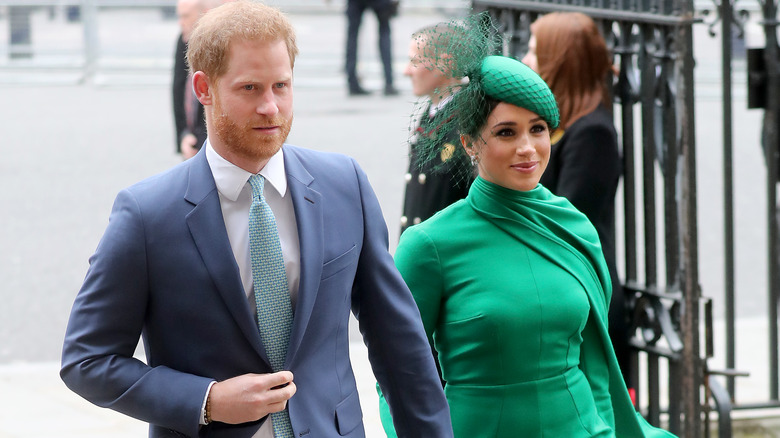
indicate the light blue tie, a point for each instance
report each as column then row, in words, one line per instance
column 274, row 310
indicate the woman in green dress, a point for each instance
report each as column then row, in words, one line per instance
column 511, row 282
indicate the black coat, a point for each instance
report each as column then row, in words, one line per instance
column 436, row 184
column 179, row 86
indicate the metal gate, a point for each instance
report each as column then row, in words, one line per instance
column 652, row 43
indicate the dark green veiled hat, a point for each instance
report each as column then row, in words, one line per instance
column 469, row 45
column 511, row 81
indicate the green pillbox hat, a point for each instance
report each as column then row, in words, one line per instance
column 511, row 81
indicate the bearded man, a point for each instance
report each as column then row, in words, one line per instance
column 239, row 268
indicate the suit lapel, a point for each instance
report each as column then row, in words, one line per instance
column 308, row 215
column 207, row 228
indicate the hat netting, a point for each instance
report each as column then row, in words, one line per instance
column 465, row 49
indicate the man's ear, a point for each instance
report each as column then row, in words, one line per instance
column 202, row 86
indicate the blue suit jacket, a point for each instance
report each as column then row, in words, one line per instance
column 164, row 269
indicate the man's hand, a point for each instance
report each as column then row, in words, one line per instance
column 188, row 146
column 250, row 397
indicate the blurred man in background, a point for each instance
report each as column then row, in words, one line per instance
column 384, row 10
column 187, row 111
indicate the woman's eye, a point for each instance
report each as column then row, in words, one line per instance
column 538, row 129
column 505, row 133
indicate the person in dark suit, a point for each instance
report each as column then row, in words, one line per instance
column 434, row 184
column 187, row 111
column 384, row 10
column 569, row 52
column 239, row 269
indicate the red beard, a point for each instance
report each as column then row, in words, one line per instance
column 243, row 141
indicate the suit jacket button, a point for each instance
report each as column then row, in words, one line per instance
column 421, row 178
column 404, row 221
column 408, row 177
column 416, row 220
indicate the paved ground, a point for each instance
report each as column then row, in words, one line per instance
column 68, row 145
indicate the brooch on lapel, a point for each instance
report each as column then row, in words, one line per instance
column 447, row 151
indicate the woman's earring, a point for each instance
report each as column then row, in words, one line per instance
column 474, row 159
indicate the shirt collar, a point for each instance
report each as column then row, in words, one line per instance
column 436, row 108
column 231, row 179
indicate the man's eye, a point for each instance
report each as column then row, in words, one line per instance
column 281, row 85
column 249, row 87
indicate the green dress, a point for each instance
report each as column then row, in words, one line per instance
column 512, row 289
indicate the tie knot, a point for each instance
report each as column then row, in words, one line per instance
column 257, row 182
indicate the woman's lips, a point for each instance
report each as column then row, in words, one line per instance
column 526, row 167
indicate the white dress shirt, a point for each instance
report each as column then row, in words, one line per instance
column 235, row 198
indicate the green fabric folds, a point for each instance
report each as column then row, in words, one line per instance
column 513, row 290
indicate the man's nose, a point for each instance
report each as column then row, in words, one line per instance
column 267, row 105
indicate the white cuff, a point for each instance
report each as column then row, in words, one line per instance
column 203, row 421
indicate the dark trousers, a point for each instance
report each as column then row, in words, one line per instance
column 383, row 11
